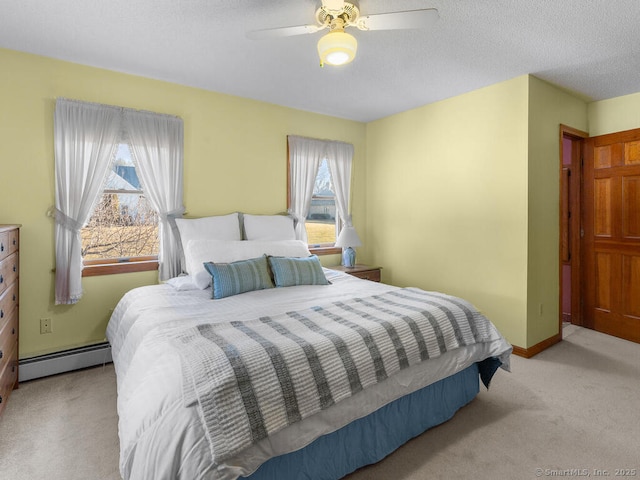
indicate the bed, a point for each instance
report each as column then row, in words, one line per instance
column 237, row 387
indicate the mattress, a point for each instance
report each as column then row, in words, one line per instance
column 162, row 439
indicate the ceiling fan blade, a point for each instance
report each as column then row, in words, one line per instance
column 283, row 32
column 399, row 20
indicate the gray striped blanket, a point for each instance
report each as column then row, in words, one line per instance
column 253, row 378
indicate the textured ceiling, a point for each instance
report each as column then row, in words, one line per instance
column 591, row 47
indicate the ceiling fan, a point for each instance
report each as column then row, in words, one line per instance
column 338, row 47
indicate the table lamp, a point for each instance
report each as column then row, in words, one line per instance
column 348, row 239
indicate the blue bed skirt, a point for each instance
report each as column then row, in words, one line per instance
column 371, row 438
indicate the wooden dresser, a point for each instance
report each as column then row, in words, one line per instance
column 9, row 269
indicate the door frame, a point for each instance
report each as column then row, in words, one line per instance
column 571, row 199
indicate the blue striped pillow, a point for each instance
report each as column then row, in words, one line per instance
column 239, row 277
column 288, row 272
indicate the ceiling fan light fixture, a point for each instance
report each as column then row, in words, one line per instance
column 337, row 48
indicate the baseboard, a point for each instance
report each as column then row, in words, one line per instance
column 65, row 361
column 537, row 348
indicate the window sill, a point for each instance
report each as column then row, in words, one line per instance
column 315, row 250
column 113, row 267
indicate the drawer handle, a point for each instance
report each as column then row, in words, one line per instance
column 14, row 241
column 1, row 279
column 15, row 268
column 0, row 398
column 1, row 354
column 1, row 313
column 1, row 247
column 13, row 331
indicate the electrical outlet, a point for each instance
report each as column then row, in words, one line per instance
column 45, row 325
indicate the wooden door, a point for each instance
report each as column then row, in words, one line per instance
column 611, row 223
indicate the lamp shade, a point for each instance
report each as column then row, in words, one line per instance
column 348, row 238
column 337, row 48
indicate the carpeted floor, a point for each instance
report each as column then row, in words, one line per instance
column 572, row 410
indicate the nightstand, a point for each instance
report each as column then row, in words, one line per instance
column 366, row 272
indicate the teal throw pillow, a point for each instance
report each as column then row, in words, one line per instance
column 239, row 277
column 288, row 271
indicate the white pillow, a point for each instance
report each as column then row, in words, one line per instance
column 268, row 227
column 199, row 251
column 182, row 283
column 221, row 227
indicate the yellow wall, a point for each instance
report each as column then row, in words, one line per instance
column 463, row 197
column 447, row 200
column 235, row 159
column 614, row 115
column 548, row 108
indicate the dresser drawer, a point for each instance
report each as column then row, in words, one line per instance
column 8, row 337
column 8, row 377
column 8, row 271
column 8, row 302
column 9, row 243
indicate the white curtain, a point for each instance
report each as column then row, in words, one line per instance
column 156, row 143
column 305, row 155
column 339, row 159
column 85, row 142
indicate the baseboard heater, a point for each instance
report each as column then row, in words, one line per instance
column 65, row 361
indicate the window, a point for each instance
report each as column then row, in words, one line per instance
column 321, row 224
column 86, row 140
column 318, row 183
column 123, row 228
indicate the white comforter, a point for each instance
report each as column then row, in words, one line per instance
column 161, row 439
